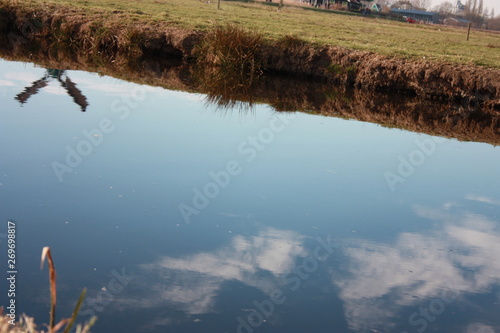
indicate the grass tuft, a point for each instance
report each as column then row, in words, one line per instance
column 230, row 61
column 233, row 49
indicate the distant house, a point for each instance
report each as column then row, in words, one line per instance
column 376, row 7
column 418, row 15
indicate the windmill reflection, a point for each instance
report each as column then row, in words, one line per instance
column 61, row 76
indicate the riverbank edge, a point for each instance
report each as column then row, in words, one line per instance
column 47, row 26
column 284, row 93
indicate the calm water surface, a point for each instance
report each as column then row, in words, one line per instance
column 179, row 217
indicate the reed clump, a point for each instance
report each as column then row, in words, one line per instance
column 233, row 49
column 27, row 324
column 230, row 60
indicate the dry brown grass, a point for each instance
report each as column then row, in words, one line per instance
column 232, row 49
column 27, row 324
column 323, row 27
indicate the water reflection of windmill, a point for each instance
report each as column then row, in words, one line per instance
column 61, row 76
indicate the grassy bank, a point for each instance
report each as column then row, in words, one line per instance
column 389, row 38
column 240, row 50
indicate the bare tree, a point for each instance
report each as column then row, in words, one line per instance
column 486, row 13
column 445, row 8
column 421, row 4
column 494, row 23
column 480, row 7
column 475, row 13
column 402, row 4
column 474, row 7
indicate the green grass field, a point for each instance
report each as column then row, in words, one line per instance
column 391, row 38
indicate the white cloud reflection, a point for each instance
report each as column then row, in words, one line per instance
column 483, row 199
column 6, row 83
column 54, row 90
column 115, row 87
column 24, row 77
column 461, row 256
column 379, row 284
column 191, row 283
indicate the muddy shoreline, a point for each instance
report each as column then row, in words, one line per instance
column 49, row 26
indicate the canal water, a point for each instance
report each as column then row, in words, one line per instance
column 178, row 216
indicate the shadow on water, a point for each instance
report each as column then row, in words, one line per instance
column 61, row 76
column 463, row 121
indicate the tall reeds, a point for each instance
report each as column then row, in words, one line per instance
column 230, row 61
column 27, row 324
column 67, row 323
column 232, row 49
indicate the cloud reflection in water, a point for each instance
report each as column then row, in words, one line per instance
column 192, row 283
column 379, row 284
column 460, row 257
